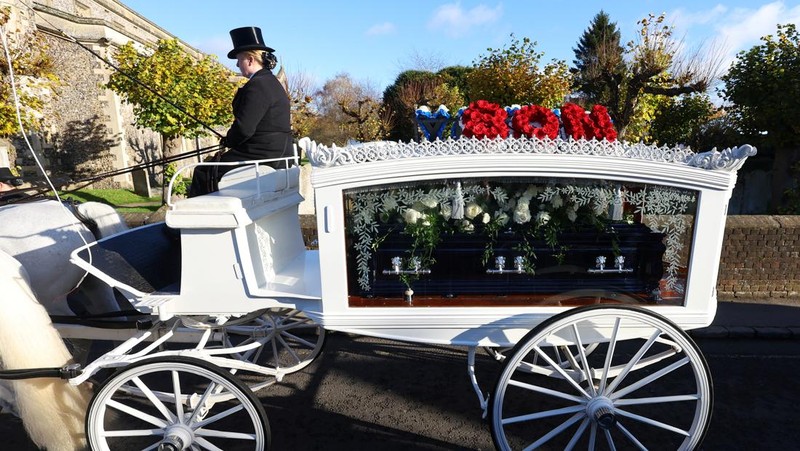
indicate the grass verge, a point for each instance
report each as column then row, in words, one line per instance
column 123, row 200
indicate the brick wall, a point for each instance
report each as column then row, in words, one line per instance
column 760, row 258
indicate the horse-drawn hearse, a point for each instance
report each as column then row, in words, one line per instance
column 579, row 265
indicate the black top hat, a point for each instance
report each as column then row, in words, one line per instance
column 247, row 38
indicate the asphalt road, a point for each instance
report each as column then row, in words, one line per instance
column 365, row 394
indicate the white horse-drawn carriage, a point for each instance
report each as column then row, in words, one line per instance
column 579, row 265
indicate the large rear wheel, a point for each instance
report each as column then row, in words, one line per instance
column 644, row 385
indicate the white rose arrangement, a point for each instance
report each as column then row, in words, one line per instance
column 472, row 210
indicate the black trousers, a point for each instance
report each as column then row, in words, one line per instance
column 206, row 178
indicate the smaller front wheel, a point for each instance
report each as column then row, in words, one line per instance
column 176, row 403
column 603, row 377
column 288, row 339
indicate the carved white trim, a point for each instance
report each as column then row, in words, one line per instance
column 728, row 160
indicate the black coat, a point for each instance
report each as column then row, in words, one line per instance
column 261, row 129
column 261, row 125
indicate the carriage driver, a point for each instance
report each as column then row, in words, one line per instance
column 261, row 126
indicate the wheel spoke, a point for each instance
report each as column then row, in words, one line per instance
column 578, row 434
column 612, row 346
column 169, row 416
column 656, row 400
column 211, row 389
column 286, row 315
column 176, row 387
column 584, row 362
column 274, row 344
column 631, row 437
column 547, row 391
column 544, row 414
column 560, row 371
column 557, row 430
column 644, row 381
column 155, row 421
column 289, row 350
column 133, row 432
column 224, row 434
column 299, row 340
column 207, row 445
column 645, row 347
column 652, row 422
column 296, row 324
column 609, row 440
column 216, row 417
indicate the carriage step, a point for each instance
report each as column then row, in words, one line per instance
column 152, row 303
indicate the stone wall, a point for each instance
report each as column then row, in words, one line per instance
column 83, row 142
column 760, row 258
column 90, row 131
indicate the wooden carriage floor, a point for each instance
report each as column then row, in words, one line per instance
column 521, row 300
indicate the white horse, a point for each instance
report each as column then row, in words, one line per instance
column 36, row 240
column 51, row 410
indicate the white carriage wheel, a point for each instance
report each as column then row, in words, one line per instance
column 289, row 339
column 176, row 403
column 645, row 386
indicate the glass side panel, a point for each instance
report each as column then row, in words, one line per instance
column 518, row 241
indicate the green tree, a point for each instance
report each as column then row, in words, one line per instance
column 650, row 66
column 456, row 77
column 513, row 75
column 763, row 85
column 598, row 60
column 33, row 73
column 681, row 120
column 202, row 87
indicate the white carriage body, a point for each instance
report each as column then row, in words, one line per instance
column 380, row 167
column 241, row 249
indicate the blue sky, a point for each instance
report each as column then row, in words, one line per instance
column 375, row 40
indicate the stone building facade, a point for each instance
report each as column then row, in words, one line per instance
column 90, row 130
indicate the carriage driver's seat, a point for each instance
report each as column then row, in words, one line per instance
column 249, row 232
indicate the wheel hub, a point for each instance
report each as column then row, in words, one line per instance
column 176, row 438
column 601, row 411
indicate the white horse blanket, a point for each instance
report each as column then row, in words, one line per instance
column 41, row 235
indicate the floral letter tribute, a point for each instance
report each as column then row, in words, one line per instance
column 596, row 125
column 535, row 121
column 484, row 119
